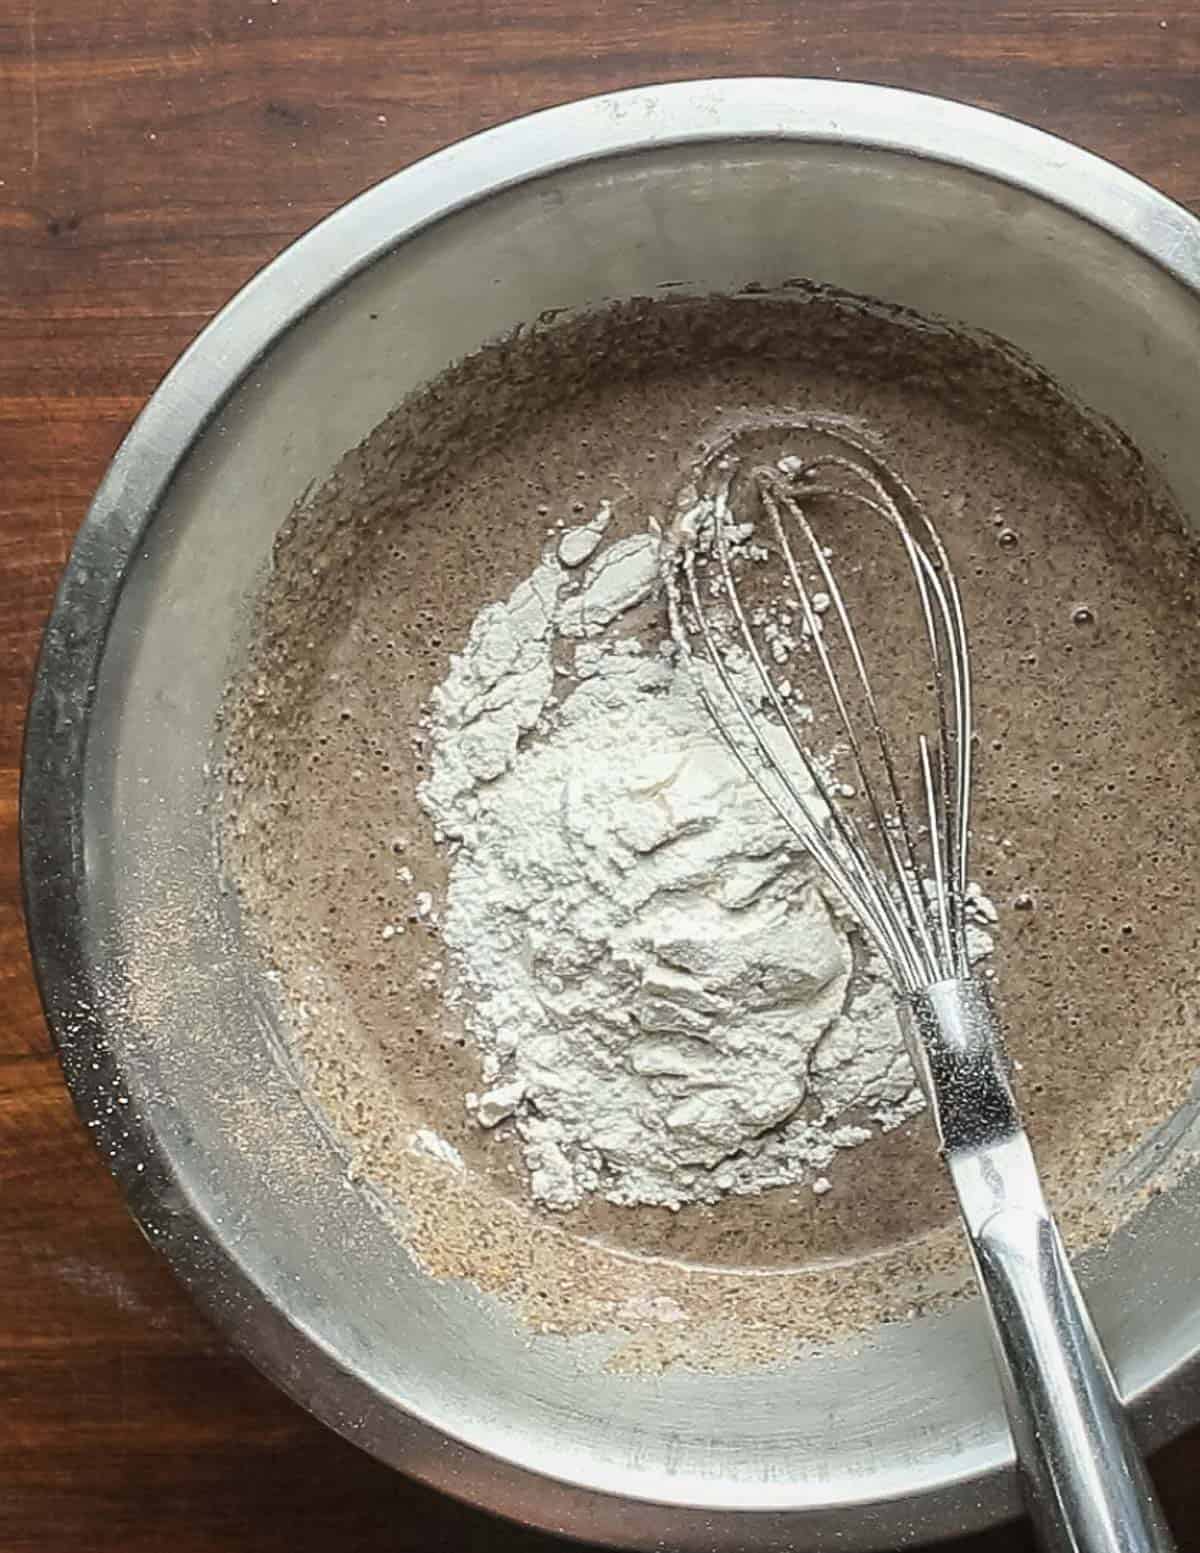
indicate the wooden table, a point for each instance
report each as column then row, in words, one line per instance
column 152, row 157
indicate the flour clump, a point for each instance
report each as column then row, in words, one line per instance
column 667, row 1003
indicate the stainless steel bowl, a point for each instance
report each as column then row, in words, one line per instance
column 165, row 1030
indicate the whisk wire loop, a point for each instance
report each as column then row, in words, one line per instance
column 909, row 890
column 905, row 871
column 846, row 866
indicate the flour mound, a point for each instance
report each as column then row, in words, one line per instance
column 667, row 1005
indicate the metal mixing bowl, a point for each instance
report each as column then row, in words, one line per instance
column 165, row 1027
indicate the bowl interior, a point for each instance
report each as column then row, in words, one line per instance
column 870, row 1443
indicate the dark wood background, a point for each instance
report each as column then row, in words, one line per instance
column 153, row 154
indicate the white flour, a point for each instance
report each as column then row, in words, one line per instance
column 666, row 1005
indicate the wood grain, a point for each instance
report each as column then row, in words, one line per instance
column 152, row 157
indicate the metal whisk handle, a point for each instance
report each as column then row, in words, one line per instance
column 1085, row 1483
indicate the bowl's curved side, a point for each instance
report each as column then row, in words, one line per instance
column 65, row 856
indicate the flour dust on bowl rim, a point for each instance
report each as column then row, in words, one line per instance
column 705, row 186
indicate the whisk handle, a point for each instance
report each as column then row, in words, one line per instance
column 1085, row 1483
column 1087, row 1487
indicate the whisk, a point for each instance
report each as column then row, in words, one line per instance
column 899, row 859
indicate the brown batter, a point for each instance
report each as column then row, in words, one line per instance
column 1081, row 597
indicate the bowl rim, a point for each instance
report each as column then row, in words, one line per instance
column 318, row 264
